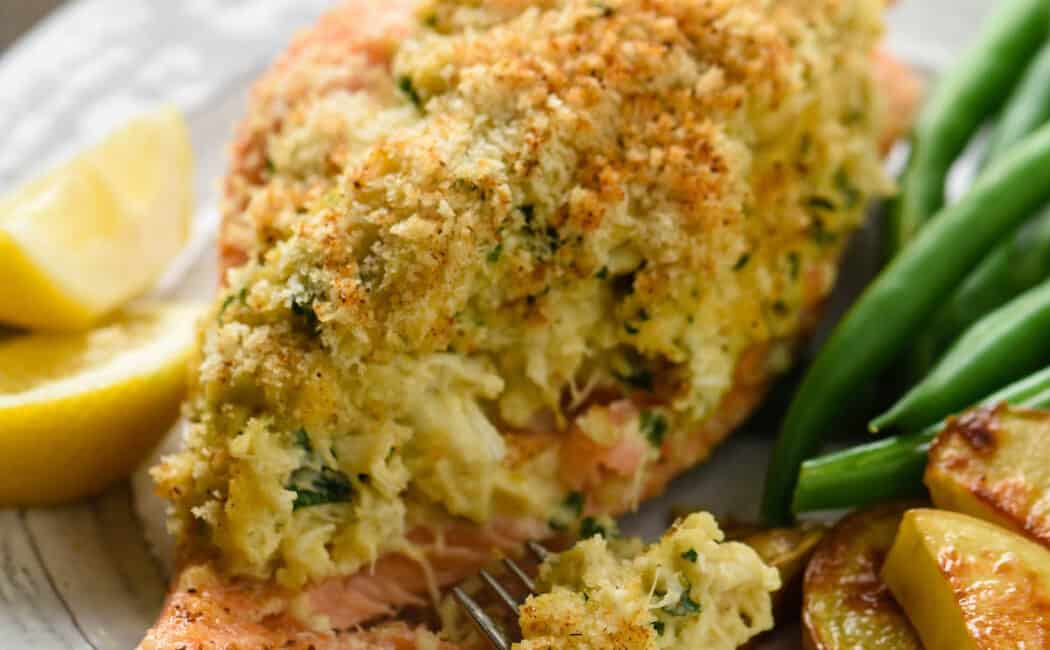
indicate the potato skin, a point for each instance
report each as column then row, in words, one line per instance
column 845, row 603
column 991, row 463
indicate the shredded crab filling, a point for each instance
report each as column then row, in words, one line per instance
column 521, row 271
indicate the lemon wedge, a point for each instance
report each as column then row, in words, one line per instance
column 79, row 411
column 98, row 230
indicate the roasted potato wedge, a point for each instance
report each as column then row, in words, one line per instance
column 845, row 604
column 967, row 584
column 994, row 463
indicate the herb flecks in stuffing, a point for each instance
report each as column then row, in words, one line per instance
column 319, row 487
column 653, row 426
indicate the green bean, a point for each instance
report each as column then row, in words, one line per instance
column 1007, row 343
column 1027, row 109
column 905, row 294
column 892, row 468
column 1016, row 265
column 963, row 99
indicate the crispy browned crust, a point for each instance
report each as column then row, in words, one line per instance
column 965, row 457
column 372, row 29
column 368, row 28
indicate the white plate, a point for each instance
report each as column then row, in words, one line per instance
column 81, row 577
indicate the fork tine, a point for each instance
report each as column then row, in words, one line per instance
column 485, row 624
column 503, row 594
column 537, row 550
column 481, row 619
column 513, row 567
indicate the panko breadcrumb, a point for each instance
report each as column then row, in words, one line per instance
column 533, row 267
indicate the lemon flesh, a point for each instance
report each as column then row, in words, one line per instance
column 98, row 230
column 79, row 411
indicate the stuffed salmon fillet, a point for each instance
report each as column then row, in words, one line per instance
column 491, row 267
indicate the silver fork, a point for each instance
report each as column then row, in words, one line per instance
column 488, row 627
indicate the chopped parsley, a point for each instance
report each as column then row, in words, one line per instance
column 821, row 203
column 303, row 306
column 639, row 378
column 630, row 329
column 794, row 264
column 314, row 488
column 367, row 277
column 820, row 233
column 241, row 295
column 690, row 555
column 589, row 527
column 569, row 510
column 850, row 194
column 653, row 426
column 742, row 261
column 623, row 285
column 685, row 605
column 574, row 503
column 856, row 116
column 805, row 143
column 532, row 298
column 543, row 240
column 222, row 310
column 659, row 627
column 602, row 273
column 404, row 84
column 302, row 440
column 553, row 239
column 494, row 254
